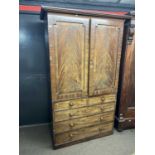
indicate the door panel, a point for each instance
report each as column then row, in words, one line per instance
column 106, row 40
column 68, row 44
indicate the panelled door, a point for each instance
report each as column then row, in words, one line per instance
column 105, row 51
column 68, row 45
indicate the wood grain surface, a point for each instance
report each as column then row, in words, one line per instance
column 82, row 133
column 105, row 53
column 68, row 44
column 83, row 102
column 82, row 112
column 85, row 57
column 73, row 124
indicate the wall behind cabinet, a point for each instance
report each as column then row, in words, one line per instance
column 34, row 96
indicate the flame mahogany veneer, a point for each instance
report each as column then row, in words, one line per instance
column 84, row 53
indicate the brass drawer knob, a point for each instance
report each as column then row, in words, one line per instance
column 71, row 104
column 71, row 124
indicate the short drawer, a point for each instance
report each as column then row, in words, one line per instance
column 64, row 126
column 82, row 133
column 71, row 104
column 101, row 99
column 82, row 112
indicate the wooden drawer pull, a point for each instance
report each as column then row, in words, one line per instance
column 71, row 135
column 102, row 99
column 101, row 118
column 71, row 104
column 71, row 124
column 101, row 129
column 102, row 108
column 71, row 114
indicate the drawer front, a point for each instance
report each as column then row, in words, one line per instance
column 83, row 102
column 70, row 104
column 82, row 133
column 82, row 112
column 64, row 126
column 101, row 99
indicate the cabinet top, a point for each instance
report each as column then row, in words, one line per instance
column 93, row 13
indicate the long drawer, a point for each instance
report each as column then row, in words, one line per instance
column 78, row 103
column 82, row 133
column 64, row 126
column 82, row 112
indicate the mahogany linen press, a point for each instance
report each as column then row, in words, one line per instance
column 84, row 52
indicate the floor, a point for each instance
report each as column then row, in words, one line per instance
column 36, row 140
